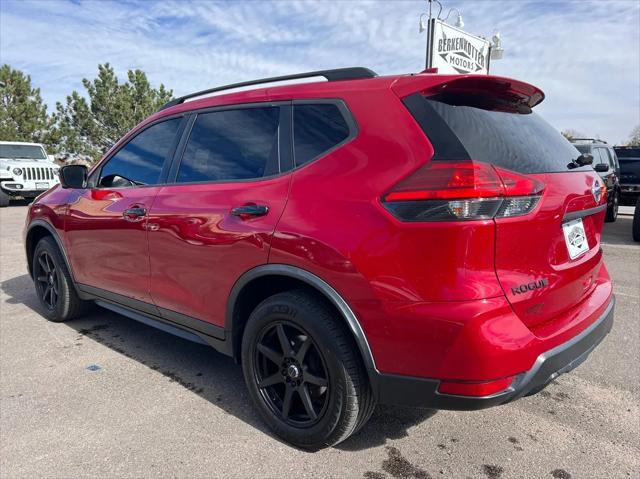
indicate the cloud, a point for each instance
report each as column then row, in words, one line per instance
column 584, row 55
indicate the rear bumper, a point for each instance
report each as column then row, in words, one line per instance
column 420, row 392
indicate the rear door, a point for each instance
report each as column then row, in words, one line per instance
column 546, row 261
column 216, row 219
column 106, row 224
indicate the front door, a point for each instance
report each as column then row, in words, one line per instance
column 217, row 220
column 106, row 225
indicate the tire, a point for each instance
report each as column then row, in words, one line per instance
column 612, row 209
column 53, row 283
column 4, row 199
column 636, row 222
column 323, row 365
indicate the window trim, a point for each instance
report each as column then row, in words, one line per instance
column 284, row 138
column 346, row 115
column 94, row 177
column 286, row 158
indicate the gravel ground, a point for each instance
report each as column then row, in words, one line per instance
column 105, row 396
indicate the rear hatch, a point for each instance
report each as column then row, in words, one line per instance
column 547, row 252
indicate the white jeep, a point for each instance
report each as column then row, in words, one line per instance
column 25, row 170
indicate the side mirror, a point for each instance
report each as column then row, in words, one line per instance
column 73, row 176
column 601, row 168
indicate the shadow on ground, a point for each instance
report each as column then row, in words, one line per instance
column 619, row 233
column 199, row 368
column 20, row 202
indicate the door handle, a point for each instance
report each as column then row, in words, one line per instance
column 250, row 210
column 135, row 213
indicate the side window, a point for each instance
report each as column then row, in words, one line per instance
column 232, row 145
column 316, row 129
column 603, row 156
column 610, row 156
column 140, row 161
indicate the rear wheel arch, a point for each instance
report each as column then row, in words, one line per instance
column 261, row 282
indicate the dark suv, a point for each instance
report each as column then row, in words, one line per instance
column 424, row 240
column 605, row 162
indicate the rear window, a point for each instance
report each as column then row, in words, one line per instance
column 492, row 131
column 627, row 153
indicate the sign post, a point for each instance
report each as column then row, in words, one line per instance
column 429, row 39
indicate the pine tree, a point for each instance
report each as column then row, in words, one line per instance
column 90, row 126
column 634, row 139
column 23, row 114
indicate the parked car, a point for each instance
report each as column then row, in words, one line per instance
column 423, row 240
column 605, row 162
column 25, row 171
column 629, row 157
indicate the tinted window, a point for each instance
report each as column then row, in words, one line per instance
column 142, row 158
column 489, row 130
column 628, row 152
column 317, row 129
column 606, row 159
column 232, row 145
column 602, row 156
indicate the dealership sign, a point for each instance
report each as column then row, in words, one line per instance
column 455, row 51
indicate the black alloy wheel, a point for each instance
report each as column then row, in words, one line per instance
column 291, row 374
column 47, row 280
column 53, row 283
column 304, row 371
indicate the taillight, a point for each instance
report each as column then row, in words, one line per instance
column 462, row 190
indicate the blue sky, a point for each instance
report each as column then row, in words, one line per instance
column 585, row 55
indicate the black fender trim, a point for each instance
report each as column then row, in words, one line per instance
column 317, row 283
column 51, row 229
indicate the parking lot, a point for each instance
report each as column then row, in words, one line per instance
column 105, row 396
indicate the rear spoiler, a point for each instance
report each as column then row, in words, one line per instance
column 512, row 91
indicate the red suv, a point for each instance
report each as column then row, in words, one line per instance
column 424, row 240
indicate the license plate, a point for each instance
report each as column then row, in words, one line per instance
column 42, row 186
column 575, row 237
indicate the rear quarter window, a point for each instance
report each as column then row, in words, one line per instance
column 317, row 129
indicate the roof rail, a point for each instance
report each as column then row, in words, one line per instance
column 353, row 73
column 592, row 140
